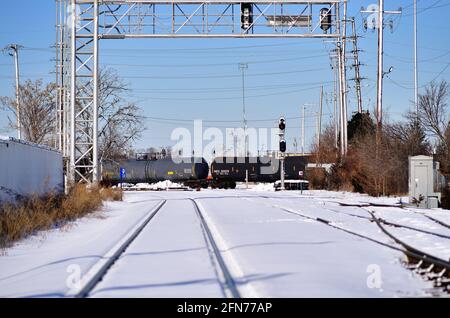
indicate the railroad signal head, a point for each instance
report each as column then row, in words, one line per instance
column 283, row 145
column 325, row 19
column 282, row 123
column 246, row 15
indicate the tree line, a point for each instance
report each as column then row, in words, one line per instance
column 120, row 121
column 380, row 167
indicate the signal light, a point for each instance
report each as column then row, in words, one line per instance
column 282, row 124
column 246, row 15
column 325, row 19
column 283, row 145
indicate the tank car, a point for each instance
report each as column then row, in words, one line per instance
column 226, row 171
column 136, row 171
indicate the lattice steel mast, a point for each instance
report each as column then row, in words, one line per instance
column 356, row 65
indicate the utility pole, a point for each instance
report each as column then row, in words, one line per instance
column 380, row 73
column 335, row 102
column 319, row 118
column 416, row 75
column 303, row 130
column 282, row 132
column 380, row 64
column 356, row 65
column 243, row 67
column 341, row 50
column 344, row 77
column 13, row 50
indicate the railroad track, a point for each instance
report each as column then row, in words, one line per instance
column 391, row 224
column 100, row 269
column 438, row 221
column 96, row 273
column 228, row 285
column 435, row 269
column 363, row 206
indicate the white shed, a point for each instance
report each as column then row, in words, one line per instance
column 27, row 168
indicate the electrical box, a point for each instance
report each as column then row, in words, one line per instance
column 424, row 182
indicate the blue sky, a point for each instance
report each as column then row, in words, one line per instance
column 199, row 78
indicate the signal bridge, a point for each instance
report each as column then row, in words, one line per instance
column 82, row 23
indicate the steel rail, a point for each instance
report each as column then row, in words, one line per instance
column 412, row 251
column 229, row 283
column 425, row 259
column 96, row 273
column 393, row 224
column 437, row 221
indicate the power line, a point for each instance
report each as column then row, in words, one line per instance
column 435, row 5
column 422, row 86
column 222, row 125
column 225, row 98
column 26, row 63
column 409, row 60
column 222, row 48
column 407, row 69
column 274, row 119
column 219, row 64
column 419, row 46
column 225, row 89
column 196, row 50
column 191, row 76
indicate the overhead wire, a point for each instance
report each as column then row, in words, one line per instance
column 227, row 98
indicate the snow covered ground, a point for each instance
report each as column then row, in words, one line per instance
column 41, row 266
column 270, row 241
column 157, row 186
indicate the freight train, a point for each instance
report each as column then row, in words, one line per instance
column 224, row 172
column 136, row 171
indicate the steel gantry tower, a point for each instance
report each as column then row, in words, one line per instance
column 82, row 23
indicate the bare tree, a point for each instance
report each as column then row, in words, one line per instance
column 120, row 122
column 410, row 138
column 405, row 139
column 384, row 169
column 37, row 109
column 326, row 152
column 432, row 113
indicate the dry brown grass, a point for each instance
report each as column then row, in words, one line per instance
column 20, row 219
column 111, row 194
column 317, row 178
